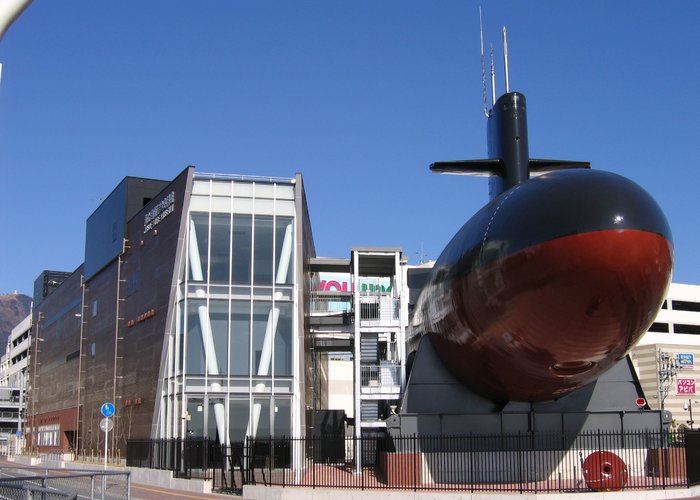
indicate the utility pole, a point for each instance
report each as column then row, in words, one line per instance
column 668, row 369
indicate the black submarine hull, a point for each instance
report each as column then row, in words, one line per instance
column 548, row 285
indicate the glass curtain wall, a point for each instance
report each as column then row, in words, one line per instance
column 236, row 335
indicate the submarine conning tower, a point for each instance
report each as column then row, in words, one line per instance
column 508, row 163
column 507, row 142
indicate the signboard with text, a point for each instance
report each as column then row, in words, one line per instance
column 341, row 282
column 160, row 211
column 685, row 386
column 686, row 360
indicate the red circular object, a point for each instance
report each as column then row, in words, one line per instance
column 604, row 471
column 641, row 402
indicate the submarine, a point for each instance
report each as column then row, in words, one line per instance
column 553, row 281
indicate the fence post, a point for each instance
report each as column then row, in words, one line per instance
column 285, row 446
column 360, row 465
column 687, row 460
column 520, row 465
column 470, row 455
column 313, row 461
column 244, row 462
column 271, row 457
column 664, row 458
column 204, row 451
column 413, row 459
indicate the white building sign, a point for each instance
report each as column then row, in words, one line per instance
column 155, row 216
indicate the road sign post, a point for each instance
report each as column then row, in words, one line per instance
column 106, row 424
column 107, row 410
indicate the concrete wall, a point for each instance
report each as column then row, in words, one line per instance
column 340, row 394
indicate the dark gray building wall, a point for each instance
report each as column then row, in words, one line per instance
column 98, row 374
column 54, row 361
column 124, row 310
column 137, row 286
column 150, row 271
column 106, row 227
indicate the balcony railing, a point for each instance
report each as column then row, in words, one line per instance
column 331, row 302
column 382, row 378
column 374, row 308
column 379, row 308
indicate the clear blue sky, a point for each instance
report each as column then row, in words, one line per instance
column 359, row 96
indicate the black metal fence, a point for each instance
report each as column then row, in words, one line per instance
column 526, row 462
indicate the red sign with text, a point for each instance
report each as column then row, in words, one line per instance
column 685, row 386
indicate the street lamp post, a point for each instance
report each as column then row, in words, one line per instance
column 9, row 11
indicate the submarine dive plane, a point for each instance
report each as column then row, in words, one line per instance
column 553, row 281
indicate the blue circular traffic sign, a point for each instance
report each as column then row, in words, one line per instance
column 107, row 410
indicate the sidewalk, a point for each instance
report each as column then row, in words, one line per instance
column 147, row 492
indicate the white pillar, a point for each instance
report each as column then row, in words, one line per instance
column 356, row 362
column 205, row 328
column 271, row 328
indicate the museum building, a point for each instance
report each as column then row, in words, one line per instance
column 187, row 315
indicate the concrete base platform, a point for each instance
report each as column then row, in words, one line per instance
column 436, row 403
column 294, row 493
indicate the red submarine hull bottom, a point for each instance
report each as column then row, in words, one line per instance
column 549, row 319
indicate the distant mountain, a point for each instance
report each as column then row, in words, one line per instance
column 14, row 307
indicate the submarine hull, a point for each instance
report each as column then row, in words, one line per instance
column 548, row 285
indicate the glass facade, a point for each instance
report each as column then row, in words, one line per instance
column 235, row 341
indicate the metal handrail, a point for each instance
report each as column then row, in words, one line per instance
column 383, row 375
column 242, row 177
column 96, row 488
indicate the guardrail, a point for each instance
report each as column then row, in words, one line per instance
column 27, row 482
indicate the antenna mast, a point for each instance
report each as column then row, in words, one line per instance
column 505, row 57
column 493, row 80
column 483, row 67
